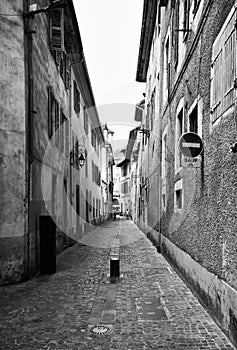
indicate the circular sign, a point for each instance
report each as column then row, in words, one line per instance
column 190, row 144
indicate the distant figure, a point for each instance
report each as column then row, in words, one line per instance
column 127, row 214
column 114, row 215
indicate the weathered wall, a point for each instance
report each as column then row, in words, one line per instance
column 206, row 226
column 218, row 296
column 45, row 74
column 12, row 142
column 201, row 238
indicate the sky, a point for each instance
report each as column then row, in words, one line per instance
column 110, row 32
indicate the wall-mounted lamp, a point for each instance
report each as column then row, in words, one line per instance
column 81, row 156
column 81, row 160
column 145, row 131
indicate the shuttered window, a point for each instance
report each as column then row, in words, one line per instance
column 223, row 68
column 63, row 134
column 50, row 115
column 67, row 73
column 86, row 126
column 76, row 98
column 176, row 32
column 186, row 18
column 56, row 29
column 53, row 114
column 56, row 113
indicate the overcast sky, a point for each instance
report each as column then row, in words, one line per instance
column 110, row 32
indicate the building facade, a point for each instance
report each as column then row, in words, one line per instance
column 187, row 58
column 107, row 173
column 51, row 137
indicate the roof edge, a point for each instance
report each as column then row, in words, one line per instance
column 147, row 31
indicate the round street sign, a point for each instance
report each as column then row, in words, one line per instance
column 190, row 144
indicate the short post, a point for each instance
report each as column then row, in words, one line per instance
column 114, row 267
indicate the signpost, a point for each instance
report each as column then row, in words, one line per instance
column 191, row 146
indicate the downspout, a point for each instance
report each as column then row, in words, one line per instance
column 28, row 134
column 70, row 138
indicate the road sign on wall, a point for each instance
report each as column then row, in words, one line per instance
column 190, row 144
column 191, row 162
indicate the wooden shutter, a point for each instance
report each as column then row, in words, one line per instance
column 176, row 33
column 57, row 110
column 186, row 17
column 76, row 99
column 50, row 114
column 229, row 57
column 57, row 29
column 63, row 120
column 68, row 73
column 223, row 68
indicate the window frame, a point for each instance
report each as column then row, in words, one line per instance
column 76, row 98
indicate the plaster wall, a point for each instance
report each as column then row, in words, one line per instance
column 12, row 142
column 200, row 238
column 215, row 294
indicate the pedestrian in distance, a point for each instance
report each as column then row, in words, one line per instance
column 127, row 214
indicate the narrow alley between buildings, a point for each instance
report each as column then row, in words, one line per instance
column 79, row 307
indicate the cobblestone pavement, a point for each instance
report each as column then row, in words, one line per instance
column 148, row 308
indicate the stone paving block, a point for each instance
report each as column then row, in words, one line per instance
column 54, row 312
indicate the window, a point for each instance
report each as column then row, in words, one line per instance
column 54, row 194
column 76, row 98
column 93, row 208
column 56, row 29
column 67, row 78
column 186, row 18
column 179, row 132
column 164, row 156
column 93, row 170
column 87, row 206
column 152, row 110
column 125, row 170
column 62, row 66
column 96, row 175
column 85, row 120
column 124, row 187
column 167, row 69
column 178, row 195
column 66, row 137
column 63, row 134
column 53, row 115
column 57, row 122
column 163, row 200
column 93, row 138
column 223, row 68
column 193, row 120
column 176, row 33
column 76, row 154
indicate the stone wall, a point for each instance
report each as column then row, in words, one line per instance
column 199, row 239
column 12, row 142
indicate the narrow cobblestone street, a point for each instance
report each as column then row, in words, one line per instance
column 148, row 308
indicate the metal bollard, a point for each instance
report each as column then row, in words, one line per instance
column 114, row 267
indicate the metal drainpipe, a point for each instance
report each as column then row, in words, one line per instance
column 28, row 137
column 69, row 131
